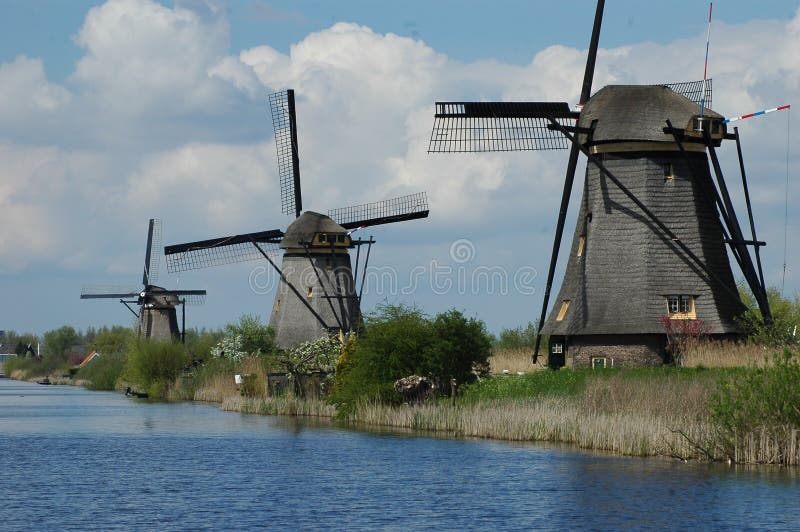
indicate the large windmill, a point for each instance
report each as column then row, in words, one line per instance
column 157, row 315
column 317, row 294
column 650, row 238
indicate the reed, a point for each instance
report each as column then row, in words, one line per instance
column 216, row 388
column 278, row 406
column 512, row 360
column 725, row 354
column 638, row 413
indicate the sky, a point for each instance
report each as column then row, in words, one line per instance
column 115, row 112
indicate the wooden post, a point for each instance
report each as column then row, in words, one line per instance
column 453, row 389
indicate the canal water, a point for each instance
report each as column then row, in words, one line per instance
column 74, row 459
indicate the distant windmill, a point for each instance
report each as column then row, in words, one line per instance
column 648, row 241
column 157, row 316
column 317, row 295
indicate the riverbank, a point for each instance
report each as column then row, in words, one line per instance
column 663, row 411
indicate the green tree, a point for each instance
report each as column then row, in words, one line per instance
column 522, row 337
column 155, row 364
column 399, row 341
column 109, row 341
column 250, row 336
column 59, row 343
column 785, row 314
column 460, row 349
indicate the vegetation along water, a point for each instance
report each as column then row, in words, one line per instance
column 729, row 402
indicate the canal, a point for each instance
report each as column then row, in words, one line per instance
column 74, row 459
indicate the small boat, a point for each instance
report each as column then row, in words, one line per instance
column 131, row 393
column 44, row 381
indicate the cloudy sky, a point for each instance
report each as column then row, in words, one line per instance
column 115, row 112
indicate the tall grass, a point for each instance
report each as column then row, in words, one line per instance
column 725, row 354
column 279, row 406
column 512, row 360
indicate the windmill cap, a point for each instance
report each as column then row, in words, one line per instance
column 637, row 113
column 306, row 226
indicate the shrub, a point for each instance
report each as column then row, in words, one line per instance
column 785, row 316
column 155, row 364
column 399, row 341
column 247, row 337
column 758, row 400
column 517, row 338
column 110, row 341
column 102, row 372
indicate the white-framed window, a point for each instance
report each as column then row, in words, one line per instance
column 558, row 348
column 598, row 362
column 680, row 306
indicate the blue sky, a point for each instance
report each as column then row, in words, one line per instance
column 131, row 110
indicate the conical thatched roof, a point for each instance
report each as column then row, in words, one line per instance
column 306, row 226
column 637, row 113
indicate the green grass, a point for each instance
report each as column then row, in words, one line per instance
column 538, row 384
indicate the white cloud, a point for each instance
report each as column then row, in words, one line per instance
column 26, row 96
column 160, row 120
column 142, row 57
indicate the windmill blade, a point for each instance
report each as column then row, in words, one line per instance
column 109, row 292
column 692, row 90
column 498, row 126
column 152, row 257
column 388, row 211
column 219, row 251
column 569, row 178
column 190, row 297
column 284, row 122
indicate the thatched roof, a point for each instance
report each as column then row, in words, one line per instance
column 637, row 113
column 306, row 226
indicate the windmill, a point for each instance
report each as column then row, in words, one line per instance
column 317, row 294
column 157, row 316
column 650, row 238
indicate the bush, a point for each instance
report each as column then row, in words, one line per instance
column 785, row 316
column 759, row 399
column 154, row 365
column 399, row 341
column 111, row 341
column 248, row 337
column 102, row 372
column 517, row 338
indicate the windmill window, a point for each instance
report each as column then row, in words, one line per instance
column 563, row 310
column 589, row 217
column 310, row 292
column 681, row 307
column 581, row 245
column 340, row 239
column 598, row 362
column 558, row 349
column 669, row 171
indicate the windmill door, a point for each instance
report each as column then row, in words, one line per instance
column 557, row 352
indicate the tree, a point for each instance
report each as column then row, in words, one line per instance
column 399, row 341
column 517, row 338
column 108, row 341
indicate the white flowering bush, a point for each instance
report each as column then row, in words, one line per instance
column 315, row 355
column 231, row 347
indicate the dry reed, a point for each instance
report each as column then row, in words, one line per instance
column 512, row 361
column 726, row 354
column 278, row 406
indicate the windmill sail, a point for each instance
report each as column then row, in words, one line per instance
column 692, row 90
column 152, row 258
column 284, row 123
column 109, row 292
column 219, row 251
column 190, row 297
column 399, row 209
column 498, row 126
